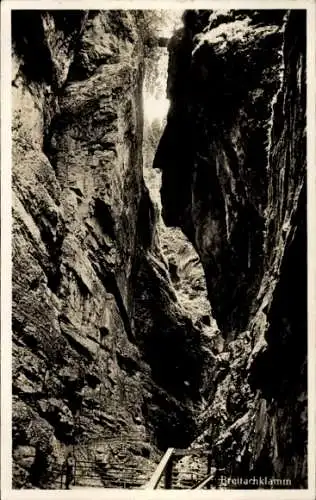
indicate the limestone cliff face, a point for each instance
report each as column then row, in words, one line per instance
column 88, row 362
column 235, row 140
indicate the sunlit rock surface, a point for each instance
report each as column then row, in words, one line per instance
column 235, row 143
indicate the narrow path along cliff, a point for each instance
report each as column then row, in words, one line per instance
column 159, row 247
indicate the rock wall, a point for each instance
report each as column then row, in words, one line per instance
column 101, row 344
column 235, row 140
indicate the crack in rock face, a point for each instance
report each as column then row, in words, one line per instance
column 138, row 323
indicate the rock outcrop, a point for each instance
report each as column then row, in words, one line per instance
column 235, row 142
column 101, row 345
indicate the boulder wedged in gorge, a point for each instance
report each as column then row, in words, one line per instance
column 83, row 243
column 235, row 138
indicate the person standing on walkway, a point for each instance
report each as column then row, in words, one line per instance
column 69, row 470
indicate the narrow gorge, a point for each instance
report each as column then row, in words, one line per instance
column 159, row 262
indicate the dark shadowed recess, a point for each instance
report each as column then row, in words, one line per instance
column 168, row 340
column 281, row 371
column 172, row 348
column 172, row 423
column 29, row 39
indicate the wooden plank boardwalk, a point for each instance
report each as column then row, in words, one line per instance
column 177, row 469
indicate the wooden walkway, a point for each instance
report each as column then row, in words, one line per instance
column 177, row 469
column 195, row 474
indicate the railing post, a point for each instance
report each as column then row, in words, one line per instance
column 168, row 474
column 209, row 466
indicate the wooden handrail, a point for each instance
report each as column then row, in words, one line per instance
column 155, row 478
column 206, row 480
column 203, row 483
